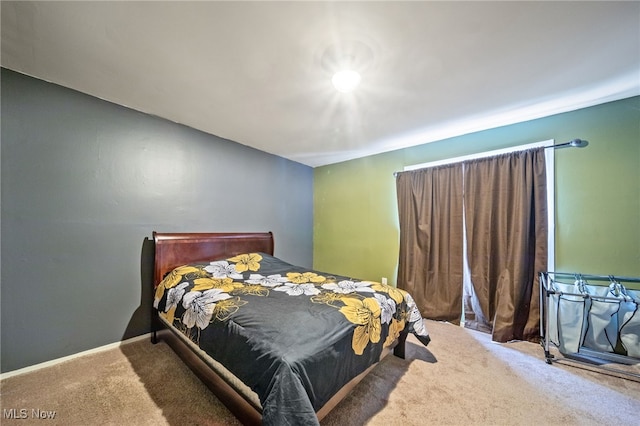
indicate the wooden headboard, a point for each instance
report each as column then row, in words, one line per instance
column 177, row 249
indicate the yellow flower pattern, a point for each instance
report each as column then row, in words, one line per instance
column 172, row 279
column 366, row 314
column 329, row 298
column 247, row 262
column 394, row 331
column 225, row 284
column 225, row 308
column 305, row 277
column 254, row 289
column 381, row 317
column 395, row 293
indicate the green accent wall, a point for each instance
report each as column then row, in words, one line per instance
column 597, row 194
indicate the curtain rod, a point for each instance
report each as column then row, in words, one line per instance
column 574, row 143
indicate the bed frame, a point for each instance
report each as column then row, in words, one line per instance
column 176, row 249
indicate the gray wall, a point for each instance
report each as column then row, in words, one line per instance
column 84, row 184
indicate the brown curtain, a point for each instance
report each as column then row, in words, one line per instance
column 430, row 262
column 506, row 230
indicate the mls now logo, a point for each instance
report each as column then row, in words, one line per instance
column 14, row 413
column 23, row 413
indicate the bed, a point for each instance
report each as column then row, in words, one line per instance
column 276, row 343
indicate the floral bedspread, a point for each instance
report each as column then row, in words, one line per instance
column 293, row 335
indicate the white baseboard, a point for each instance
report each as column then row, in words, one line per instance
column 70, row 357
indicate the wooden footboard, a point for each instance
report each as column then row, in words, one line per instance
column 241, row 407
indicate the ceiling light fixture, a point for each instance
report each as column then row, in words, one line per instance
column 346, row 81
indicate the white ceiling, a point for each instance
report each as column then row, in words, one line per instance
column 259, row 73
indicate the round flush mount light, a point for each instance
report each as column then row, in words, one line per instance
column 346, row 81
column 345, row 60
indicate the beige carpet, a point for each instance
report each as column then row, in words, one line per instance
column 462, row 378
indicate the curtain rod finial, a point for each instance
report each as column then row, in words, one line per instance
column 574, row 143
column 579, row 143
